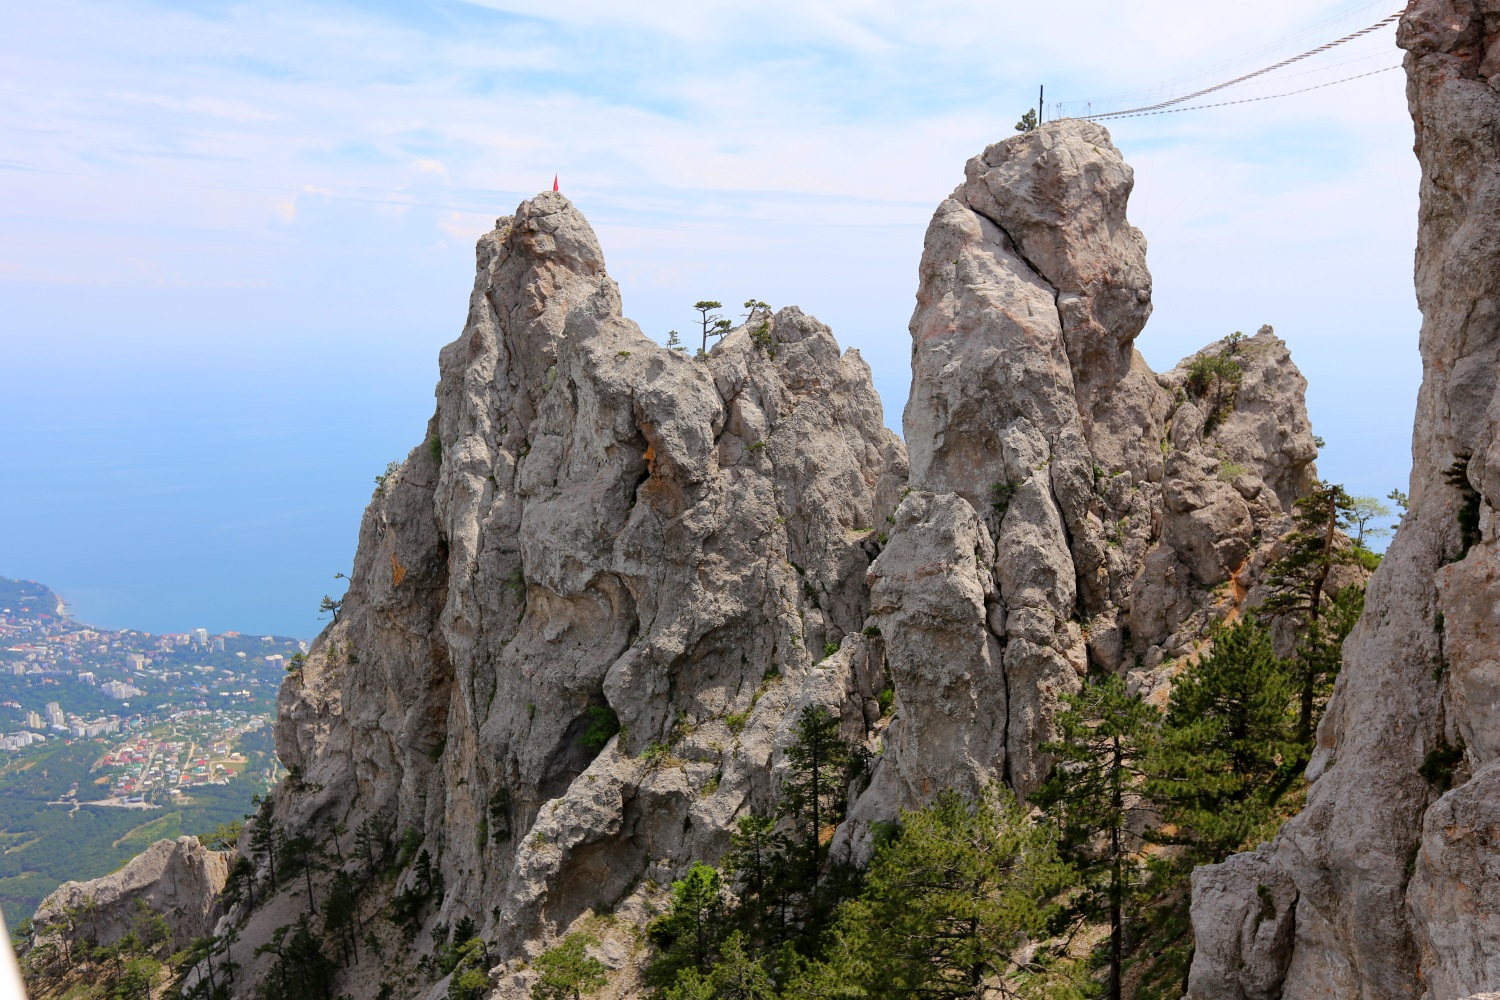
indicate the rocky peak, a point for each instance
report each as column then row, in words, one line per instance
column 1059, row 195
column 586, row 610
column 179, row 880
column 1100, row 502
column 598, row 532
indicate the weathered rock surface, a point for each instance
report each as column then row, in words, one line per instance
column 1255, row 905
column 180, row 880
column 1398, row 881
column 595, row 522
column 600, row 529
column 1068, row 505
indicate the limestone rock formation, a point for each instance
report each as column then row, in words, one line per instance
column 1394, row 871
column 180, row 880
column 598, row 530
column 1067, row 504
column 586, row 610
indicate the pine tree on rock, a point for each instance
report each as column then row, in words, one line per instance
column 814, row 794
column 1105, row 738
column 1299, row 582
column 1225, row 747
column 688, row 936
column 947, row 909
column 569, row 972
column 759, row 858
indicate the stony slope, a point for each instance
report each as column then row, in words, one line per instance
column 1385, row 885
column 598, row 527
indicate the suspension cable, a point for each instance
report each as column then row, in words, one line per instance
column 1162, row 106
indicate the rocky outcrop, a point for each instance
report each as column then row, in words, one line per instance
column 598, row 532
column 179, row 880
column 1068, row 506
column 1395, row 871
column 586, row 610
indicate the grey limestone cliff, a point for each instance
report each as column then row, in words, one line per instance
column 1068, row 507
column 1386, row 884
column 179, row 880
column 599, row 532
column 596, row 526
column 599, row 527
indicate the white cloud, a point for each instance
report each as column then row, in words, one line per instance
column 232, row 110
column 431, row 167
column 466, row 226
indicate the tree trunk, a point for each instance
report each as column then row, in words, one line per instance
column 1116, row 936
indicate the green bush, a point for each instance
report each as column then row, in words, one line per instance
column 603, row 725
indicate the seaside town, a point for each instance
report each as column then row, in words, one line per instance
column 167, row 712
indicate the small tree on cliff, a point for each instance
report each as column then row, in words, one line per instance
column 947, row 909
column 1299, row 582
column 714, row 325
column 687, row 937
column 1225, row 750
column 569, row 972
column 1363, row 512
column 814, row 794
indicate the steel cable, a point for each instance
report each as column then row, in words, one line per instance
column 1163, row 106
column 1243, row 100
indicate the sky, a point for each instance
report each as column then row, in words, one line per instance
column 234, row 236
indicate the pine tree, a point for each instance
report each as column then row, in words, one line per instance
column 301, row 971
column 714, row 325
column 1319, row 655
column 737, row 975
column 759, row 858
column 341, row 913
column 814, row 794
column 300, row 852
column 1299, row 582
column 687, row 937
column 1225, row 748
column 265, row 843
column 948, row 905
column 1104, row 739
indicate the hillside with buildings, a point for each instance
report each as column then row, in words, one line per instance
column 110, row 739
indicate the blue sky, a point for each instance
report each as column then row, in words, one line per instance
column 234, row 236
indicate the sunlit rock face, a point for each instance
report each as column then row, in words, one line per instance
column 586, row 609
column 181, row 880
column 596, row 527
column 1397, row 874
column 1067, row 505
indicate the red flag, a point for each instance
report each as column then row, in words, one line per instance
column 554, row 183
